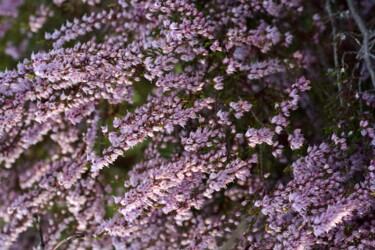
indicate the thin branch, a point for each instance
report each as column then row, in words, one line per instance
column 41, row 236
column 40, row 230
column 72, row 237
column 335, row 56
column 365, row 34
column 242, row 227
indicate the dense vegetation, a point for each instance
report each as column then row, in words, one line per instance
column 221, row 124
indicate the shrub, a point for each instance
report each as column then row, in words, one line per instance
column 187, row 124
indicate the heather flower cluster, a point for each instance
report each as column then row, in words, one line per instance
column 137, row 124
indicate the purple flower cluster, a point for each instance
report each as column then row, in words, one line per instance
column 210, row 106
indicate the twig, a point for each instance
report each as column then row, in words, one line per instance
column 365, row 34
column 40, row 231
column 360, row 91
column 335, row 56
column 242, row 227
column 74, row 236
